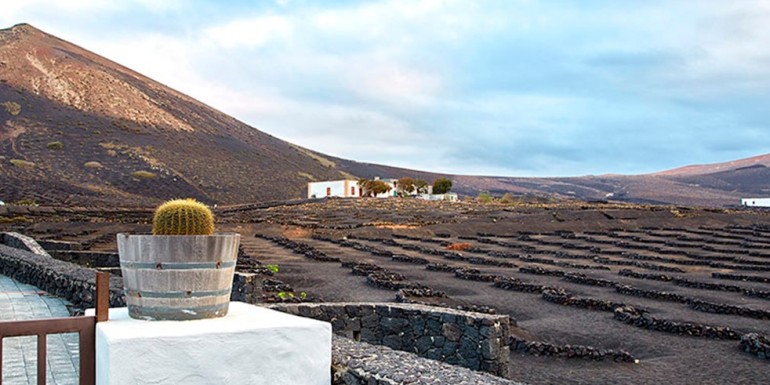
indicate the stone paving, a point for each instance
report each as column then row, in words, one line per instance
column 23, row 302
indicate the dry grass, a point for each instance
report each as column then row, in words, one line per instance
column 143, row 174
column 21, row 163
column 92, row 164
column 13, row 108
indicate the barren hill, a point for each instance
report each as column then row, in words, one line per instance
column 76, row 128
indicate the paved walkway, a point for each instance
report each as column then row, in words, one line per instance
column 22, row 302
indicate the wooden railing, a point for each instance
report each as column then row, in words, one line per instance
column 85, row 326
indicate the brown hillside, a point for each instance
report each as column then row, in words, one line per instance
column 52, row 91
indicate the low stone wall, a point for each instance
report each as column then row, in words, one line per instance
column 66, row 280
column 360, row 363
column 22, row 242
column 537, row 348
column 50, row 245
column 88, row 258
column 472, row 340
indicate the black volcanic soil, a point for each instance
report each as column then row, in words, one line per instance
column 601, row 237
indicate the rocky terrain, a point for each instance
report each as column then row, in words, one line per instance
column 601, row 293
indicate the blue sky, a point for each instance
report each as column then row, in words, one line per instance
column 516, row 88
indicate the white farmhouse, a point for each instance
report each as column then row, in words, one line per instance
column 333, row 188
column 346, row 189
column 756, row 202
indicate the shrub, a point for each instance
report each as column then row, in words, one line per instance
column 442, row 186
column 92, row 164
column 508, row 198
column 183, row 217
column 13, row 108
column 373, row 187
column 484, row 197
column 143, row 175
column 55, row 145
column 21, row 163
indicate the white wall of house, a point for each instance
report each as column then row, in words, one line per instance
column 451, row 197
column 333, row 188
column 757, row 202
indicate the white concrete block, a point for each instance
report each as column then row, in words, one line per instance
column 251, row 345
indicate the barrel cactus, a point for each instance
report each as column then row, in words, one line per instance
column 183, row 217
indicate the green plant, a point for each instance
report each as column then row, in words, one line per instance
column 143, row 175
column 183, row 217
column 484, row 197
column 25, row 202
column 373, row 187
column 273, row 268
column 442, row 186
column 55, row 145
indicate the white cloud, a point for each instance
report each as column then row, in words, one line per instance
column 249, row 33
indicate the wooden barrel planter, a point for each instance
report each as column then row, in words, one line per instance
column 178, row 277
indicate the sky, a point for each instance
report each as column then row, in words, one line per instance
column 508, row 87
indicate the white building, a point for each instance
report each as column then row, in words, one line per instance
column 346, row 189
column 756, row 202
column 333, row 188
column 451, row 197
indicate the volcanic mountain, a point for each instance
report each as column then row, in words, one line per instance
column 78, row 129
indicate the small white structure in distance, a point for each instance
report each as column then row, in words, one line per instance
column 333, row 188
column 756, row 202
column 451, row 197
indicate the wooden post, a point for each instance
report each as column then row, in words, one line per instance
column 102, row 296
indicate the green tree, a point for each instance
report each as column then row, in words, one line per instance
column 442, row 186
column 421, row 186
column 406, row 184
column 373, row 187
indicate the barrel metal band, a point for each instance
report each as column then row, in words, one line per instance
column 177, row 294
column 160, row 310
column 176, row 265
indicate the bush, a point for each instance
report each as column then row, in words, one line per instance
column 55, row 145
column 21, row 163
column 484, row 197
column 508, row 198
column 442, row 186
column 143, row 175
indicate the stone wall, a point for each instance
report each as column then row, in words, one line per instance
column 21, row 242
column 473, row 340
column 359, row 363
column 65, row 280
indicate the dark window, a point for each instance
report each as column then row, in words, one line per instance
column 328, row 191
column 353, row 191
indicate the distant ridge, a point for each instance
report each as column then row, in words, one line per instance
column 711, row 168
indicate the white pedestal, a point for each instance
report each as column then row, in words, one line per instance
column 251, row 345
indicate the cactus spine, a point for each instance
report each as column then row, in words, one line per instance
column 183, row 217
